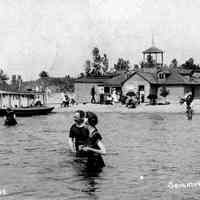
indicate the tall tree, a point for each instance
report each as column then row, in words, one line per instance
column 122, row 65
column 97, row 61
column 3, row 80
column 87, row 67
column 19, row 81
column 96, row 55
column 174, row 63
column 105, row 63
column 16, row 82
column 43, row 74
column 3, row 77
column 189, row 64
column 99, row 64
column 14, row 79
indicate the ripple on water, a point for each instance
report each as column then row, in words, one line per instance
column 35, row 162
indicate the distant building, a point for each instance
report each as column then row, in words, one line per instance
column 151, row 83
column 83, row 86
column 149, row 79
column 153, row 76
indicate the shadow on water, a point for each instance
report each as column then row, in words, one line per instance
column 89, row 177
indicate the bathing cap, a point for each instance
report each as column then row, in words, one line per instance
column 92, row 118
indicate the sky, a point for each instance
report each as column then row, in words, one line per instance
column 59, row 35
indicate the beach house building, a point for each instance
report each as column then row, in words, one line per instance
column 153, row 76
column 147, row 80
column 146, row 83
column 83, row 86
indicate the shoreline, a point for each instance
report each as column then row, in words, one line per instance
column 55, row 100
column 118, row 108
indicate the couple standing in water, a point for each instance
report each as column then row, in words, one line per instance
column 86, row 141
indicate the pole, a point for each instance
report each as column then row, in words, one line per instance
column 19, row 103
column 9, row 100
column 1, row 100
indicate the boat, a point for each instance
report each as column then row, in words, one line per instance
column 24, row 103
column 28, row 111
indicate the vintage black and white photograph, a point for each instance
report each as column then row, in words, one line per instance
column 99, row 100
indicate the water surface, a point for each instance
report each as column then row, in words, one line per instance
column 145, row 153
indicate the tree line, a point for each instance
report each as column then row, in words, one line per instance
column 63, row 84
column 99, row 65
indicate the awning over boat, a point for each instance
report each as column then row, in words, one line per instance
column 20, row 93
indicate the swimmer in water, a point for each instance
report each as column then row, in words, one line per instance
column 78, row 134
column 94, row 148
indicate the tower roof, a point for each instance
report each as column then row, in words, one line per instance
column 153, row 49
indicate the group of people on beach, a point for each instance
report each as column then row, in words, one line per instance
column 86, row 141
column 67, row 100
column 113, row 97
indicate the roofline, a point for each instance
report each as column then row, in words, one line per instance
column 111, row 85
column 175, row 84
column 128, row 77
column 157, row 50
column 3, row 92
column 98, row 79
column 145, row 78
column 88, row 82
column 133, row 75
column 146, row 52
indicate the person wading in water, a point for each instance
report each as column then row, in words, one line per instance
column 78, row 134
column 94, row 147
column 188, row 98
column 10, row 118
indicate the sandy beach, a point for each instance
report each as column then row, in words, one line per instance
column 55, row 99
column 142, row 108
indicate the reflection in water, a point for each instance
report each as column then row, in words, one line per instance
column 86, row 175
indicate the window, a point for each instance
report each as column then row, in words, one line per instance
column 141, row 88
column 106, row 89
column 161, row 75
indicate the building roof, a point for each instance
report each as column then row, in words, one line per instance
column 153, row 49
column 118, row 80
column 100, row 79
column 25, row 93
column 148, row 76
column 173, row 78
column 185, row 72
column 164, row 69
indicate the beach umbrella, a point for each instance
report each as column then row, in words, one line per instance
column 130, row 93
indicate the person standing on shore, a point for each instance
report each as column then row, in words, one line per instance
column 93, row 93
column 78, row 134
column 188, row 98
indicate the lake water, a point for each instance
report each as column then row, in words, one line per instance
column 145, row 153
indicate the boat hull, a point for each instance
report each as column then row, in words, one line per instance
column 28, row 111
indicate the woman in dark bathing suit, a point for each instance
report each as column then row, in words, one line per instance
column 94, row 148
column 10, row 119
